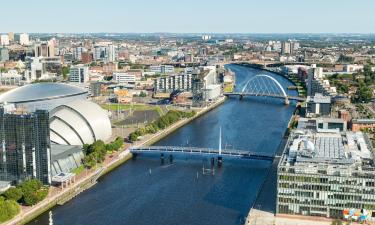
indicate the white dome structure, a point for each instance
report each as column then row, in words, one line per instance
column 43, row 95
column 79, row 122
column 73, row 119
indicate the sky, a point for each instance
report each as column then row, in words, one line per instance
column 188, row 16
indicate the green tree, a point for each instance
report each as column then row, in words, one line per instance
column 363, row 94
column 336, row 222
column 8, row 209
column 33, row 191
column 65, row 71
column 13, row 193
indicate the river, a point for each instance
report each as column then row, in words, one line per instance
column 180, row 194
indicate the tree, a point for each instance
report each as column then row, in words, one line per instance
column 33, row 191
column 336, row 222
column 65, row 71
column 8, row 209
column 142, row 94
column 13, row 193
column 363, row 94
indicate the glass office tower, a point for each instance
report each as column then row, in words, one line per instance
column 25, row 146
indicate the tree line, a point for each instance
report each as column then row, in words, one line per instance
column 95, row 153
column 28, row 193
column 161, row 123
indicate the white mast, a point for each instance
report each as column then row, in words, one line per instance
column 220, row 142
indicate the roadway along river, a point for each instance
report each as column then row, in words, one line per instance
column 172, row 194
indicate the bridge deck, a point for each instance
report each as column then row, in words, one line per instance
column 264, row 95
column 228, row 153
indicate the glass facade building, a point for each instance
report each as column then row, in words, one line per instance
column 329, row 174
column 25, row 146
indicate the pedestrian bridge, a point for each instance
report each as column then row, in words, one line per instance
column 223, row 153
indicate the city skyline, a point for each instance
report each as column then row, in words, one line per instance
column 269, row 16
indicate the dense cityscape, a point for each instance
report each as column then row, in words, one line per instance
column 187, row 128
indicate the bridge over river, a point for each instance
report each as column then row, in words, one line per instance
column 264, row 86
column 220, row 153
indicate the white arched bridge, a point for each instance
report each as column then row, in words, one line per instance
column 264, row 85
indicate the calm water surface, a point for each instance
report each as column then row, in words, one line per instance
column 175, row 194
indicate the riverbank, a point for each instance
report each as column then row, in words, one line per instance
column 59, row 196
column 261, row 67
column 151, row 139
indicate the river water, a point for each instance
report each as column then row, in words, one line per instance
column 180, row 194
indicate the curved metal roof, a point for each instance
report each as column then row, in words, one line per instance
column 79, row 122
column 40, row 92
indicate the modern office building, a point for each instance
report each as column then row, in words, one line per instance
column 318, row 105
column 286, row 48
column 328, row 173
column 323, row 124
column 77, row 53
column 11, row 36
column 168, row 84
column 111, row 56
column 24, row 39
column 99, row 52
column 4, row 54
column 25, row 152
column 79, row 74
column 124, row 78
column 44, row 49
column 4, row 40
column 162, row 69
column 73, row 119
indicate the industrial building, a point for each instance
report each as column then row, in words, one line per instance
column 326, row 172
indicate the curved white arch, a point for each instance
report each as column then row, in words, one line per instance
column 269, row 77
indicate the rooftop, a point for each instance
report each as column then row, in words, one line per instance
column 319, row 98
column 310, row 151
column 40, row 91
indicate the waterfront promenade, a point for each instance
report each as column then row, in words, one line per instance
column 88, row 178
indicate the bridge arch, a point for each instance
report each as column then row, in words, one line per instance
column 267, row 77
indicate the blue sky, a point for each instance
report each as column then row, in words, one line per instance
column 189, row 16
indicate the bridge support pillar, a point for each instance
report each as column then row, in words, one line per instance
column 287, row 102
column 170, row 159
column 212, row 162
column 162, row 158
column 219, row 161
column 134, row 156
column 241, row 97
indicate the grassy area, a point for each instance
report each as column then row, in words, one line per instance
column 134, row 107
column 78, row 170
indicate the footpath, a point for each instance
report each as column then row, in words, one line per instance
column 88, row 178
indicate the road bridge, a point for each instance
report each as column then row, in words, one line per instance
column 264, row 86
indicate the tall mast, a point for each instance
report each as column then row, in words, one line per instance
column 220, row 142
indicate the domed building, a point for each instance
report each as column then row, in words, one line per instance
column 46, row 125
column 43, row 96
column 73, row 119
column 79, row 122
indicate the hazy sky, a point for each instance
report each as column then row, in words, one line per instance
column 198, row 16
